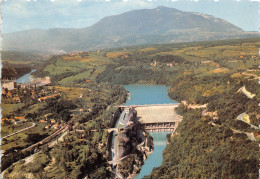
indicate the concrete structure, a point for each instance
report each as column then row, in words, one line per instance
column 157, row 117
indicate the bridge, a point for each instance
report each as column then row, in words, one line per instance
column 157, row 117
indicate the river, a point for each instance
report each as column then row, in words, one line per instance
column 150, row 94
column 27, row 78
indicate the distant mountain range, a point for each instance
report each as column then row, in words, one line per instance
column 138, row 27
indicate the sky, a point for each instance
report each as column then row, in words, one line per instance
column 19, row 15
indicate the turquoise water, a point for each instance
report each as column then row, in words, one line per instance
column 150, row 94
column 25, row 78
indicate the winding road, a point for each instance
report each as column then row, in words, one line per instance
column 241, row 116
column 33, row 125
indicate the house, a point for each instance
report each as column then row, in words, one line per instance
column 18, row 122
column 56, row 126
column 17, row 99
column 42, row 121
column 41, row 99
column 46, row 97
column 22, row 118
column 154, row 63
column 47, row 127
column 5, row 119
column 207, row 61
column 53, row 121
column 33, row 94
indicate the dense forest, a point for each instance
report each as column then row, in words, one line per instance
column 200, row 149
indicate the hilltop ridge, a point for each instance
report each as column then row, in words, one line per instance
column 137, row 27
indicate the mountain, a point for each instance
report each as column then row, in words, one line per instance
column 138, row 27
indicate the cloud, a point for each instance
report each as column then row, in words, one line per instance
column 17, row 9
column 133, row 4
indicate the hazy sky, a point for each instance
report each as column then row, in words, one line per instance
column 20, row 15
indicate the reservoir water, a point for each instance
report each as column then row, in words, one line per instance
column 150, row 94
column 25, row 78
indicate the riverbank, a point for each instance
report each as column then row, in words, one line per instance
column 156, row 157
column 147, row 155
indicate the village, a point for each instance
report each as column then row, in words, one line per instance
column 14, row 94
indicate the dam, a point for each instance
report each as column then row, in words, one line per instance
column 157, row 117
column 155, row 112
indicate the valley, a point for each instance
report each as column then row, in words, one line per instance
column 205, row 77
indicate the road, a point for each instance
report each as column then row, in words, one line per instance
column 241, row 116
column 46, row 140
column 33, row 125
column 249, row 135
column 247, row 93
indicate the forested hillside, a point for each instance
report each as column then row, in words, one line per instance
column 202, row 149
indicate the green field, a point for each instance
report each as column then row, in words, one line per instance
column 8, row 109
